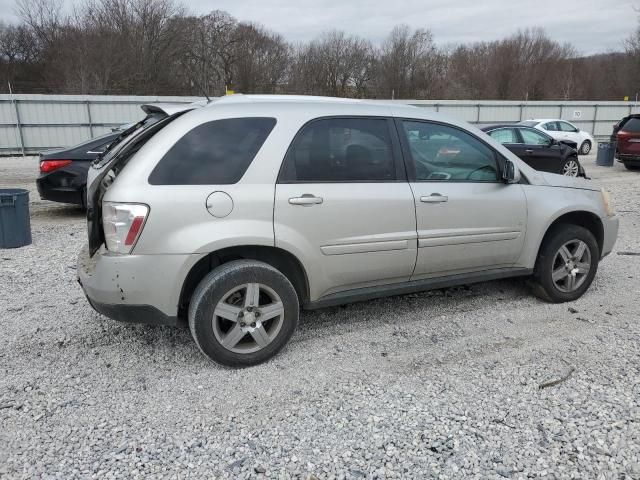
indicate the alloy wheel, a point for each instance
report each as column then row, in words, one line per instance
column 571, row 169
column 571, row 265
column 248, row 318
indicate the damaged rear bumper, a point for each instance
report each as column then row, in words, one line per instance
column 134, row 288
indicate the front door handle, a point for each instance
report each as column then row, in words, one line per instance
column 305, row 200
column 434, row 198
column 529, row 151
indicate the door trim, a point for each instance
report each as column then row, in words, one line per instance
column 365, row 247
column 403, row 288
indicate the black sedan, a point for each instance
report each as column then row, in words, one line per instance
column 63, row 171
column 537, row 149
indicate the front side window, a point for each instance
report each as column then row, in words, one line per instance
column 214, row 153
column 443, row 153
column 567, row 127
column 504, row 135
column 531, row 137
column 551, row 127
column 341, row 150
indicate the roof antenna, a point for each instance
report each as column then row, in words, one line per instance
column 202, row 90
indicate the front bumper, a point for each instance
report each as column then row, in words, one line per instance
column 134, row 288
column 611, row 225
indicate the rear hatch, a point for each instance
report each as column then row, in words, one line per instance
column 106, row 167
column 628, row 136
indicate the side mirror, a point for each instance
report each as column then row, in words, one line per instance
column 510, row 172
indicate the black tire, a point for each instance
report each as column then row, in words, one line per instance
column 566, row 163
column 585, row 148
column 219, row 283
column 543, row 284
column 633, row 168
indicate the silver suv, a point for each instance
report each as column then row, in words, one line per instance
column 235, row 214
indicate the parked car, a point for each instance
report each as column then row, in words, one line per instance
column 626, row 134
column 236, row 214
column 564, row 131
column 537, row 149
column 63, row 171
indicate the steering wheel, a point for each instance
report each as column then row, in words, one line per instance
column 478, row 169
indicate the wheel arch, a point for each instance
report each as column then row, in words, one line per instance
column 287, row 263
column 582, row 218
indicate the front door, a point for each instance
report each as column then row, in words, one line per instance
column 343, row 205
column 539, row 152
column 467, row 219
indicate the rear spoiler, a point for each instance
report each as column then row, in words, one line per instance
column 168, row 109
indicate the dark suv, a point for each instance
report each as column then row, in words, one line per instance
column 627, row 135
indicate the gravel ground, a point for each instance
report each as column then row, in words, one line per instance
column 442, row 384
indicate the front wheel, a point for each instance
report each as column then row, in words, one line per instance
column 633, row 168
column 571, row 167
column 566, row 265
column 243, row 313
column 585, row 148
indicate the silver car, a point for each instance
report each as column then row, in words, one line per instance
column 236, row 214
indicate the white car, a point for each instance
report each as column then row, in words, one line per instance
column 564, row 131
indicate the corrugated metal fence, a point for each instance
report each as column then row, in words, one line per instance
column 31, row 123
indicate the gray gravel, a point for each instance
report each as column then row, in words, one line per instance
column 440, row 384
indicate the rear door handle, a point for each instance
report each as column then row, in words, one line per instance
column 434, row 198
column 305, row 200
column 529, row 151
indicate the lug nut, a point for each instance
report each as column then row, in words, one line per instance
column 253, row 325
column 249, row 309
column 256, row 314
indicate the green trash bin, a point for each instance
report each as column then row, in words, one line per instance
column 15, row 226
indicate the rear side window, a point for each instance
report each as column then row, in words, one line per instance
column 632, row 125
column 214, row 153
column 341, row 150
column 551, row 127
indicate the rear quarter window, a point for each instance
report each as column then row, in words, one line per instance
column 632, row 125
column 214, row 153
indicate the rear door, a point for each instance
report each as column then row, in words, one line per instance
column 343, row 204
column 467, row 219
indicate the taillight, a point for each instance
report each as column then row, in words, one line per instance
column 47, row 166
column 122, row 224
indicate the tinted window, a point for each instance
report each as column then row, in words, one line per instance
column 505, row 135
column 442, row 153
column 214, row 153
column 551, row 126
column 632, row 125
column 341, row 150
column 531, row 137
column 567, row 127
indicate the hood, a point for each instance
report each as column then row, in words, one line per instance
column 557, row 180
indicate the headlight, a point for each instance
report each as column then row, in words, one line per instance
column 608, row 204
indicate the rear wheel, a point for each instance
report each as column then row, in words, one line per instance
column 243, row 313
column 571, row 167
column 585, row 148
column 566, row 264
column 631, row 167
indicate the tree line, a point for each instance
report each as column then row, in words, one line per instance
column 156, row 47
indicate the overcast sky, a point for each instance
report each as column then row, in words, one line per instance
column 593, row 26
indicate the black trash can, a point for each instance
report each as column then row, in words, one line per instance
column 606, row 154
column 15, row 226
